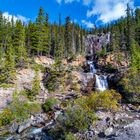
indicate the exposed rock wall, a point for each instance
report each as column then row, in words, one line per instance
column 95, row 43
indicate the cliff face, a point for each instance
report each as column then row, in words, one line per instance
column 95, row 43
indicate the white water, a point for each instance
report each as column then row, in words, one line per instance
column 101, row 83
column 92, row 67
column 101, row 80
column 37, row 130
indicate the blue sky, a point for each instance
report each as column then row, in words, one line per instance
column 84, row 12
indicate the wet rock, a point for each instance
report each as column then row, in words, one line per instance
column 39, row 136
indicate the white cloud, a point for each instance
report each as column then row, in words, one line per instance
column 66, row 1
column 108, row 10
column 16, row 17
column 88, row 24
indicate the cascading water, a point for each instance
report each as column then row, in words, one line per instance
column 101, row 80
column 101, row 83
column 92, row 67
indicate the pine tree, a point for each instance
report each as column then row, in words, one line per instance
column 19, row 44
column 129, row 28
column 42, row 34
column 137, row 15
column 68, row 38
column 59, row 39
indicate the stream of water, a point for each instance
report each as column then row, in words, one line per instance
column 101, row 83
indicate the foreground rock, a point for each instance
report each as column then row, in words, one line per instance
column 123, row 125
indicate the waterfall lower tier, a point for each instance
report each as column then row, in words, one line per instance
column 101, row 83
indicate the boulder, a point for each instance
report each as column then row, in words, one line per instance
column 14, row 128
column 108, row 131
column 24, row 126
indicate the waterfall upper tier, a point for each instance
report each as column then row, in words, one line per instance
column 95, row 43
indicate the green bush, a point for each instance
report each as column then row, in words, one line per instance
column 76, row 118
column 53, row 80
column 5, row 117
column 18, row 110
column 29, row 94
column 36, row 84
column 70, row 136
column 49, row 104
column 107, row 100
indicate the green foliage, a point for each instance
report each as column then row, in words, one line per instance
column 131, row 86
column 49, row 104
column 36, row 84
column 68, row 38
column 110, row 69
column 135, row 58
column 19, row 44
column 5, row 117
column 76, row 118
column 70, row 136
column 18, row 110
column 54, row 79
column 102, row 52
column 107, row 100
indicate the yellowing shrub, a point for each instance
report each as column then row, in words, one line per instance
column 107, row 100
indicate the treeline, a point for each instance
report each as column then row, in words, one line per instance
column 20, row 41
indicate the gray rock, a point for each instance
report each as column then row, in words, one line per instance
column 13, row 128
column 90, row 135
column 130, row 132
column 108, row 131
column 24, row 126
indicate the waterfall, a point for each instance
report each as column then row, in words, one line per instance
column 101, row 82
column 92, row 67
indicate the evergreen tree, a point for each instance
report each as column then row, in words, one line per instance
column 129, row 27
column 68, row 38
column 42, row 34
column 137, row 15
column 60, row 46
column 19, row 44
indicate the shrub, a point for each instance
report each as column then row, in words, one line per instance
column 49, row 104
column 76, row 118
column 18, row 110
column 29, row 94
column 110, row 68
column 107, row 100
column 5, row 117
column 36, row 84
column 70, row 136
column 53, row 79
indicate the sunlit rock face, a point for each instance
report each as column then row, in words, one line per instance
column 95, row 43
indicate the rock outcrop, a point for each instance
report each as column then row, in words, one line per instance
column 95, row 43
